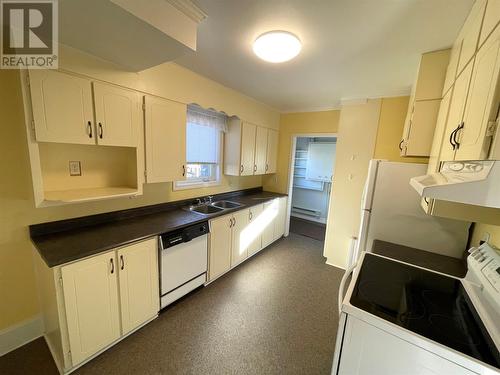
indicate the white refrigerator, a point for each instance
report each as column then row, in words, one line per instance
column 391, row 211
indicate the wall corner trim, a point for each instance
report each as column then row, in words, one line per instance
column 15, row 336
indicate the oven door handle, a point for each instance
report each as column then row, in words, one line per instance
column 342, row 285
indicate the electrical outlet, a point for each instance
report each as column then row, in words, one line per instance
column 75, row 168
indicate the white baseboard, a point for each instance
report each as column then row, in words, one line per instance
column 334, row 265
column 20, row 334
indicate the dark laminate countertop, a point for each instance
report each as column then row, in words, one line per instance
column 432, row 261
column 68, row 240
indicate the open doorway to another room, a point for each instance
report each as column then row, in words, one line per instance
column 313, row 161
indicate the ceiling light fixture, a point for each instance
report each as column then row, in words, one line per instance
column 277, row 46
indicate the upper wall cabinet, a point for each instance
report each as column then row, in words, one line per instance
column 117, row 113
column 62, row 107
column 491, row 19
column 63, row 110
column 249, row 149
column 424, row 104
column 165, row 140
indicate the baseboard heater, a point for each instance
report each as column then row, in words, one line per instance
column 306, row 211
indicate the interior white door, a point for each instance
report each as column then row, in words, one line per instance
column 260, row 150
column 139, row 290
column 91, row 300
column 241, row 237
column 117, row 115
column 62, row 107
column 248, row 132
column 165, row 140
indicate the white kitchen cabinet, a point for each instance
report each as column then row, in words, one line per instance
column 249, row 149
column 219, row 246
column 451, row 70
column 424, row 104
column 241, row 237
column 256, row 224
column 272, row 151
column 117, row 113
column 139, row 284
column 482, row 105
column 91, row 303
column 455, row 114
column 260, row 150
column 469, row 34
column 248, row 132
column 491, row 19
column 62, row 107
column 271, row 210
column 165, row 132
column 280, row 223
column 320, row 161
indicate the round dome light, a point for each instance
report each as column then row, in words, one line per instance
column 277, row 46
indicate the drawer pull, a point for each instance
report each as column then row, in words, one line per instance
column 122, row 262
column 112, row 266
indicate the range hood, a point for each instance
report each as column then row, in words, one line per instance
column 475, row 182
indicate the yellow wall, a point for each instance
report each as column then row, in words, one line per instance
column 479, row 231
column 390, row 130
column 17, row 211
column 292, row 124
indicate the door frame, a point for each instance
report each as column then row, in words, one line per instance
column 291, row 160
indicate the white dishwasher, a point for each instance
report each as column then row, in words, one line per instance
column 183, row 261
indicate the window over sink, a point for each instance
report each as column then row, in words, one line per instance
column 204, row 130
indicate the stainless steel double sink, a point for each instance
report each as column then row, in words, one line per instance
column 212, row 208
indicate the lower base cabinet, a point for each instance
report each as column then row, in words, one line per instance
column 235, row 237
column 90, row 304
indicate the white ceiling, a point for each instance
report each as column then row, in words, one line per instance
column 351, row 48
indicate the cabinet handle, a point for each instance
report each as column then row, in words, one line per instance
column 453, row 146
column 122, row 262
column 89, row 127
column 426, row 200
column 250, row 216
column 231, row 223
column 267, row 167
column 255, row 167
column 234, row 221
column 460, row 127
column 183, row 170
column 401, row 145
column 112, row 266
column 241, row 169
column 101, row 132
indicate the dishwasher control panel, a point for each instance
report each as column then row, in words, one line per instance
column 183, row 235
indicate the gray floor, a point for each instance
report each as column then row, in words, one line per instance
column 274, row 314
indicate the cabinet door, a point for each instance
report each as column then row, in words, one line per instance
column 437, row 140
column 272, row 151
column 248, row 132
column 139, row 289
column 470, row 33
column 165, row 140
column 260, row 150
column 455, row 114
column 421, row 128
column 279, row 225
column 270, row 213
column 91, row 301
column 491, row 19
column 255, row 228
column 62, row 107
column 117, row 115
column 482, row 102
column 451, row 71
column 219, row 246
column 241, row 237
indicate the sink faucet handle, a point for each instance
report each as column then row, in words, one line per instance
column 209, row 199
column 199, row 201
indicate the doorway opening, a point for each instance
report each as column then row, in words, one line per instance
column 312, row 163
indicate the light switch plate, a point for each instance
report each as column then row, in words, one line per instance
column 75, row 168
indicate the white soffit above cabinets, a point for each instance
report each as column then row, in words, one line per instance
column 350, row 48
column 133, row 34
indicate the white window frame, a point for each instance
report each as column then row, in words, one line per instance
column 186, row 184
